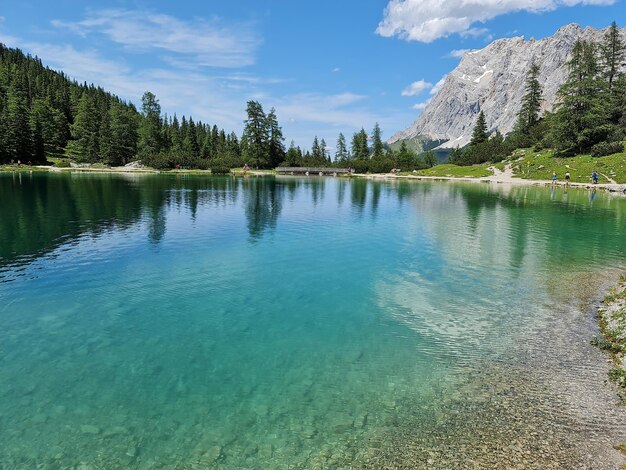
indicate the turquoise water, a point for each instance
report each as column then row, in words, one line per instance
column 197, row 322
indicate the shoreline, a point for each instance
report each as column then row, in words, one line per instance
column 499, row 177
column 612, row 321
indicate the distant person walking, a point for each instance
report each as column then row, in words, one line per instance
column 554, row 178
column 594, row 177
column 567, row 177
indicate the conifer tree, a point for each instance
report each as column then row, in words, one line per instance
column 341, row 154
column 580, row 119
column 613, row 62
column 150, row 138
column 323, row 150
column 377, row 143
column 257, row 134
column 83, row 146
column 292, row 155
column 18, row 139
column 360, row 150
column 479, row 135
column 316, row 152
column 276, row 139
column 531, row 103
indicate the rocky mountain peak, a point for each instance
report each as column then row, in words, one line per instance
column 492, row 80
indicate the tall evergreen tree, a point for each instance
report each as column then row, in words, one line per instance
column 292, row 157
column 316, row 151
column 581, row 117
column 276, row 140
column 378, row 148
column 360, row 150
column 323, row 150
column 479, row 134
column 18, row 138
column 531, row 103
column 613, row 63
column 341, row 154
column 124, row 134
column 83, row 146
column 150, row 137
column 257, row 134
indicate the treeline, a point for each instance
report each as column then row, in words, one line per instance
column 365, row 154
column 589, row 118
column 44, row 114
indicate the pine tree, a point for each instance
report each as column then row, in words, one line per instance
column 257, row 134
column 124, row 134
column 360, row 150
column 341, row 154
column 323, row 150
column 405, row 157
column 316, row 152
column 378, row 148
column 612, row 63
column 276, row 139
column 83, row 146
column 531, row 103
column 292, row 155
column 18, row 139
column 581, row 117
column 150, row 138
column 479, row 135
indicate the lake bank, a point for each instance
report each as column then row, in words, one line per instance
column 498, row 176
column 612, row 316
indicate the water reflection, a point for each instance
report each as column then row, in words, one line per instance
column 42, row 211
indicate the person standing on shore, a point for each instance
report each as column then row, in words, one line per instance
column 594, row 177
column 567, row 177
column 554, row 178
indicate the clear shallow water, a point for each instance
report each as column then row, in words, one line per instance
column 193, row 322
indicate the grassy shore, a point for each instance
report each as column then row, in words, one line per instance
column 447, row 170
column 527, row 164
column 524, row 164
column 612, row 315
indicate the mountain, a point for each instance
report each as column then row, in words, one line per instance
column 492, row 79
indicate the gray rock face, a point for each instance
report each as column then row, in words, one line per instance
column 493, row 80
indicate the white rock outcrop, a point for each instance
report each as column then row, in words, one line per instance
column 493, row 80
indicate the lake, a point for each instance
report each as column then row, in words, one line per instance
column 179, row 321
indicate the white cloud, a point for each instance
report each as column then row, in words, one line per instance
column 336, row 69
column 421, row 106
column 416, row 88
column 439, row 85
column 427, row 20
column 201, row 42
column 458, row 53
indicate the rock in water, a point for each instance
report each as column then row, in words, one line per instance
column 493, row 80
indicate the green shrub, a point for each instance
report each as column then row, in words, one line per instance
column 62, row 164
column 220, row 170
column 603, row 149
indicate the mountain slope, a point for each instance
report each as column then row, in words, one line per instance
column 492, row 80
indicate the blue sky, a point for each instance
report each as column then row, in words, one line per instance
column 327, row 66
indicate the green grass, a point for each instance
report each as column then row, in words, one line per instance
column 447, row 170
column 528, row 164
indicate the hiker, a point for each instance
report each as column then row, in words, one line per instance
column 594, row 177
column 554, row 178
column 567, row 177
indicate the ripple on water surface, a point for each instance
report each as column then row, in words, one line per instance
column 323, row 323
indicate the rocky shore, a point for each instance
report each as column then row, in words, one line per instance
column 612, row 315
